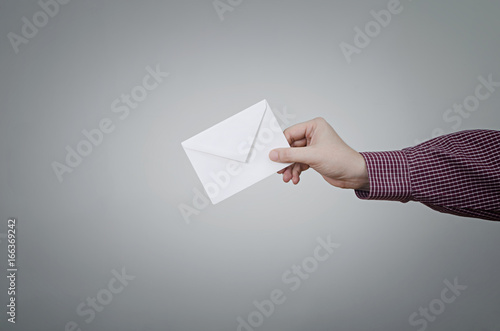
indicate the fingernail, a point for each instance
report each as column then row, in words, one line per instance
column 273, row 155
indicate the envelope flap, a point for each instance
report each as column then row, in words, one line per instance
column 226, row 138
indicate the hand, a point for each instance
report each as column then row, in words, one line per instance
column 315, row 144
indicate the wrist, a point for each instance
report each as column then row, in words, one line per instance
column 362, row 178
column 388, row 175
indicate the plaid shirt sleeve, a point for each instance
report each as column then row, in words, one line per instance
column 458, row 173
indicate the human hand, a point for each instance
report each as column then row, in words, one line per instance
column 315, row 144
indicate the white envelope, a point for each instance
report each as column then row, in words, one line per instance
column 234, row 154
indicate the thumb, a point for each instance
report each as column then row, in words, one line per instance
column 292, row 155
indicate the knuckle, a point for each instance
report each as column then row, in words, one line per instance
column 285, row 155
column 319, row 119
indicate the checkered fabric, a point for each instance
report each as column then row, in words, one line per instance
column 458, row 173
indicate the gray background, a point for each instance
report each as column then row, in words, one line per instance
column 120, row 207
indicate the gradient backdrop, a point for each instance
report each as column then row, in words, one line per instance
column 118, row 210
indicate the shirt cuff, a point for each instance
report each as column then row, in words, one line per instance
column 388, row 175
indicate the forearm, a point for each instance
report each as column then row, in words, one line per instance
column 457, row 173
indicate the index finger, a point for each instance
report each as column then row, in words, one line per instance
column 300, row 131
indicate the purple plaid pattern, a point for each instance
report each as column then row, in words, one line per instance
column 458, row 173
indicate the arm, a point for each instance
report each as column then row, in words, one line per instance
column 457, row 173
